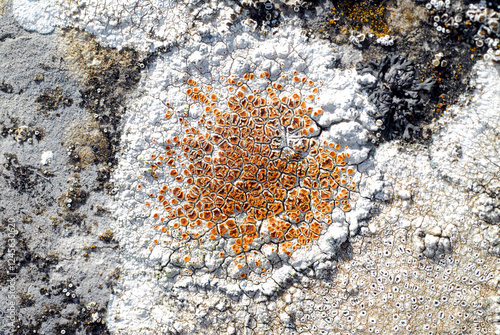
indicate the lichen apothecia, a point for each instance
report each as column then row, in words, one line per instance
column 251, row 181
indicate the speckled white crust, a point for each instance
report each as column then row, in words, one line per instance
column 467, row 151
column 140, row 24
column 344, row 120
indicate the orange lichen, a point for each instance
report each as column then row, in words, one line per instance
column 245, row 181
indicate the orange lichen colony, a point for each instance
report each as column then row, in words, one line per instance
column 253, row 174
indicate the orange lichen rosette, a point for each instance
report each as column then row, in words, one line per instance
column 252, row 179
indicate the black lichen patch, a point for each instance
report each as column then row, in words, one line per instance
column 26, row 300
column 21, row 328
column 423, row 46
column 50, row 311
column 6, row 88
column 68, row 292
column 9, row 126
column 19, row 252
column 412, row 29
column 52, row 100
column 108, row 75
column 74, row 218
column 74, row 196
column 5, row 36
column 93, row 316
column 265, row 13
column 397, row 93
column 303, row 7
column 82, row 318
column 270, row 14
column 33, row 323
column 102, row 179
column 22, row 178
column 90, row 319
column 45, row 263
column 37, row 263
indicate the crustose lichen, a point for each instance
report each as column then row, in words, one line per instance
column 252, row 173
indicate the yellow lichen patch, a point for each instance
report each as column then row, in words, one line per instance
column 363, row 16
column 255, row 174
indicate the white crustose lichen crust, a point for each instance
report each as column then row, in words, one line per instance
column 242, row 163
column 141, row 24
